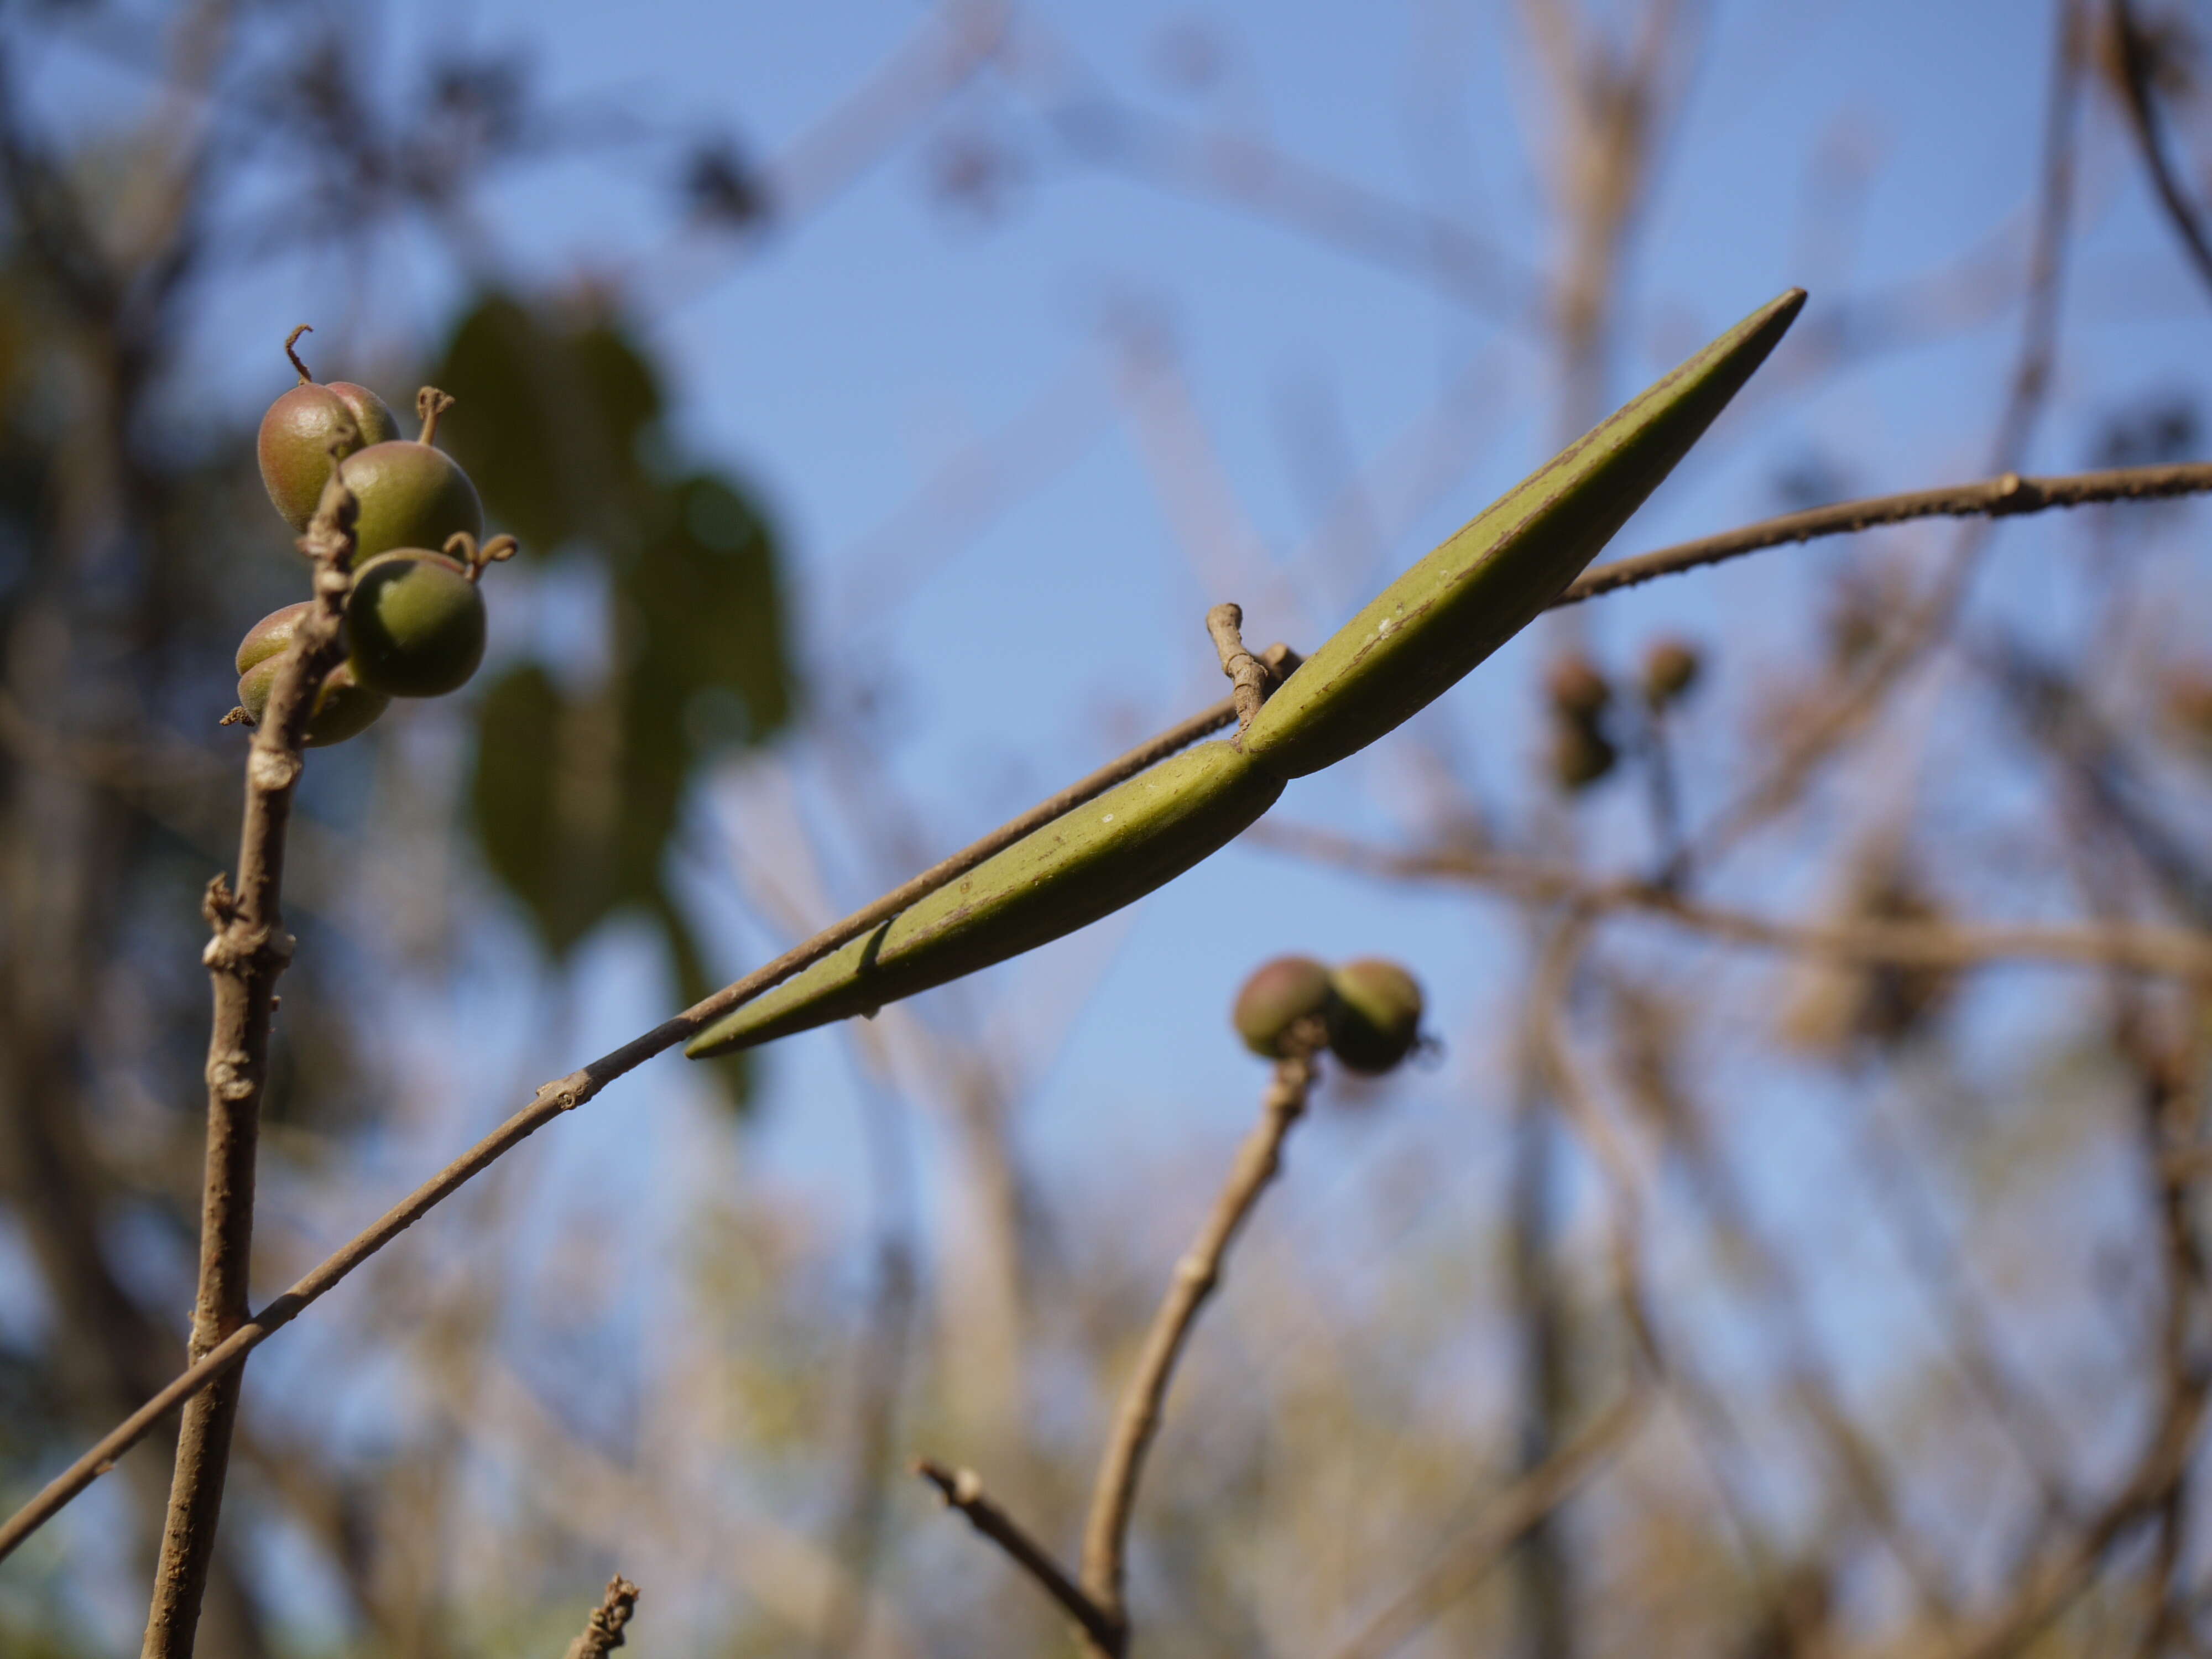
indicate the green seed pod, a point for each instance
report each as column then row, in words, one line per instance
column 412, row 495
column 1374, row 1018
column 297, row 435
column 1486, row 584
column 1074, row 870
column 1278, row 995
column 415, row 624
column 343, row 709
column 1425, row 631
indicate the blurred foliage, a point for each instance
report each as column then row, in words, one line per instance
column 578, row 790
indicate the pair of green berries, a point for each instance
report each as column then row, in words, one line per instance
column 414, row 619
column 1368, row 1011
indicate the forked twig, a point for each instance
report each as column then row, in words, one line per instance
column 1114, row 1494
column 1096, row 1603
column 962, row 1490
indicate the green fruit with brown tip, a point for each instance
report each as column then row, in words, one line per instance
column 1374, row 1018
column 301, row 429
column 415, row 624
column 412, row 495
column 1278, row 996
column 344, row 707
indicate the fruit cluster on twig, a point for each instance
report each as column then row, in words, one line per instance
column 414, row 618
column 1366, row 1013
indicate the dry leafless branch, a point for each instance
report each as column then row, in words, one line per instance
column 1113, row 1493
column 962, row 1490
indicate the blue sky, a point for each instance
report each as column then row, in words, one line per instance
column 858, row 353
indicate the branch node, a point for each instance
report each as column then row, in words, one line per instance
column 1247, row 673
column 603, row 1630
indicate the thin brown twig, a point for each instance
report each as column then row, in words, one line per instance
column 2048, row 1590
column 603, row 1630
column 2006, row 496
column 2180, row 953
column 2158, row 952
column 565, row 1094
column 1114, row 1495
column 248, row 954
column 962, row 1490
column 2133, row 50
column 1526, row 1503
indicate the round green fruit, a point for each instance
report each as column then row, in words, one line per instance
column 412, row 494
column 1375, row 1018
column 343, row 709
column 1278, row 996
column 415, row 624
column 297, row 435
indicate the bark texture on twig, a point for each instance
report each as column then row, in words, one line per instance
column 248, row 953
column 962, row 1490
column 603, row 1632
column 1114, row 1496
column 2006, row 496
column 1250, row 675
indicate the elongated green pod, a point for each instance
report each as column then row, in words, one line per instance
column 1075, row 869
column 1424, row 632
column 1489, row 582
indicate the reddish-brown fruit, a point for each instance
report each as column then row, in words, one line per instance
column 412, row 495
column 297, row 435
column 415, row 623
column 1670, row 669
column 1578, row 689
column 1275, row 999
column 1581, row 755
column 344, row 707
column 1374, row 1015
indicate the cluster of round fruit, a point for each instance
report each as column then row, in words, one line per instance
column 1582, row 750
column 1367, row 1012
column 414, row 619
